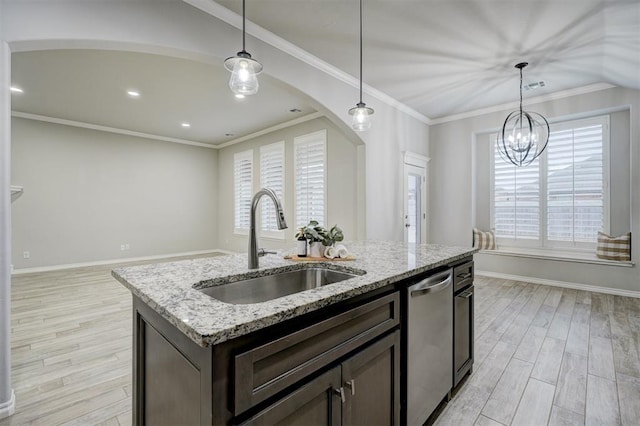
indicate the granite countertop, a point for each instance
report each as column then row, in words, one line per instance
column 168, row 288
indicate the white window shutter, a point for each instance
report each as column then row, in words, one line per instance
column 575, row 184
column 272, row 177
column 310, row 153
column 516, row 199
column 243, row 190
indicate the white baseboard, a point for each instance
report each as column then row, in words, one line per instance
column 113, row 261
column 9, row 407
column 564, row 284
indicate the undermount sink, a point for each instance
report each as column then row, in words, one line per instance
column 269, row 287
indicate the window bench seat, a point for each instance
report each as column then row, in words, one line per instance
column 565, row 256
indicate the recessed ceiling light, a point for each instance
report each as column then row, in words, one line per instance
column 185, row 125
column 16, row 90
column 295, row 110
column 239, row 95
column 228, row 134
column 133, row 93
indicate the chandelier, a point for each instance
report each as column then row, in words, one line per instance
column 524, row 134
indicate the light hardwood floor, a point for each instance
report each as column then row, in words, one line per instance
column 544, row 355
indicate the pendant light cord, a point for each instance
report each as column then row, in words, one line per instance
column 243, row 29
column 360, row 51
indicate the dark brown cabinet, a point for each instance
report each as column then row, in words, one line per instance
column 337, row 366
column 362, row 390
column 316, row 403
column 462, row 321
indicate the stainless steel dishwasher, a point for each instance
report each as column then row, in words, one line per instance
column 429, row 345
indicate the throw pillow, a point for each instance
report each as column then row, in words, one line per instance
column 614, row 248
column 484, row 240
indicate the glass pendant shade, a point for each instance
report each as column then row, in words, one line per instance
column 361, row 112
column 243, row 68
column 524, row 135
column 361, row 117
column 244, row 71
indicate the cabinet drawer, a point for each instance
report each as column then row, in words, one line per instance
column 462, row 276
column 263, row 371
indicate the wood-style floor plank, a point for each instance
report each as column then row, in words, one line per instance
column 539, row 397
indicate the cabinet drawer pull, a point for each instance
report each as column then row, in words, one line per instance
column 351, row 384
column 465, row 294
column 464, row 276
column 340, row 391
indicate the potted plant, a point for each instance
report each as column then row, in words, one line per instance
column 334, row 235
column 315, row 235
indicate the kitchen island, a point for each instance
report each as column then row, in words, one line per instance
column 198, row 360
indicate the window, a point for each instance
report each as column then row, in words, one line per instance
column 310, row 177
column 561, row 199
column 243, row 190
column 272, row 177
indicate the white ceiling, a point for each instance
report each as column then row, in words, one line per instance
column 439, row 57
column 444, row 57
column 89, row 86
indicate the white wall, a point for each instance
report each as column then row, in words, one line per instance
column 342, row 176
column 86, row 192
column 451, row 191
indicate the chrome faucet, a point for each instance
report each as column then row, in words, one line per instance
column 253, row 239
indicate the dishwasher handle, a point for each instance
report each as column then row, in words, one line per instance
column 431, row 284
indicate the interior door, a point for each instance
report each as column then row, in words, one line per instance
column 415, row 202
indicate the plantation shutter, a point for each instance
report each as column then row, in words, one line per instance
column 310, row 177
column 575, row 183
column 243, row 190
column 516, row 199
column 272, row 177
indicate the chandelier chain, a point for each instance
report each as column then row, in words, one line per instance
column 520, row 91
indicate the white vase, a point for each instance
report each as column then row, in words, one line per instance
column 316, row 249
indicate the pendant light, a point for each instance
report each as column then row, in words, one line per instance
column 244, row 69
column 524, row 135
column 361, row 112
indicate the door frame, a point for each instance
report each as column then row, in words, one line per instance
column 412, row 159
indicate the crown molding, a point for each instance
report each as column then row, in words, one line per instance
column 235, row 20
column 280, row 126
column 513, row 105
column 116, row 130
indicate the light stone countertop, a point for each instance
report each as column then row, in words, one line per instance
column 168, row 288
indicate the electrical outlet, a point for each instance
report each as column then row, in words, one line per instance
column 26, row 255
column 121, row 247
column 126, row 246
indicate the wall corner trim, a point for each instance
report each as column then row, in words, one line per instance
column 563, row 284
column 9, row 407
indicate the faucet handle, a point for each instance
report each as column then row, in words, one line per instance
column 263, row 252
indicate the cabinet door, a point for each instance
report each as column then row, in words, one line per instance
column 463, row 334
column 371, row 381
column 317, row 403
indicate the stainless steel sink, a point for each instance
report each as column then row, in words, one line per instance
column 268, row 287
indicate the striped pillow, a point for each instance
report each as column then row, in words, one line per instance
column 484, row 240
column 614, row 248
